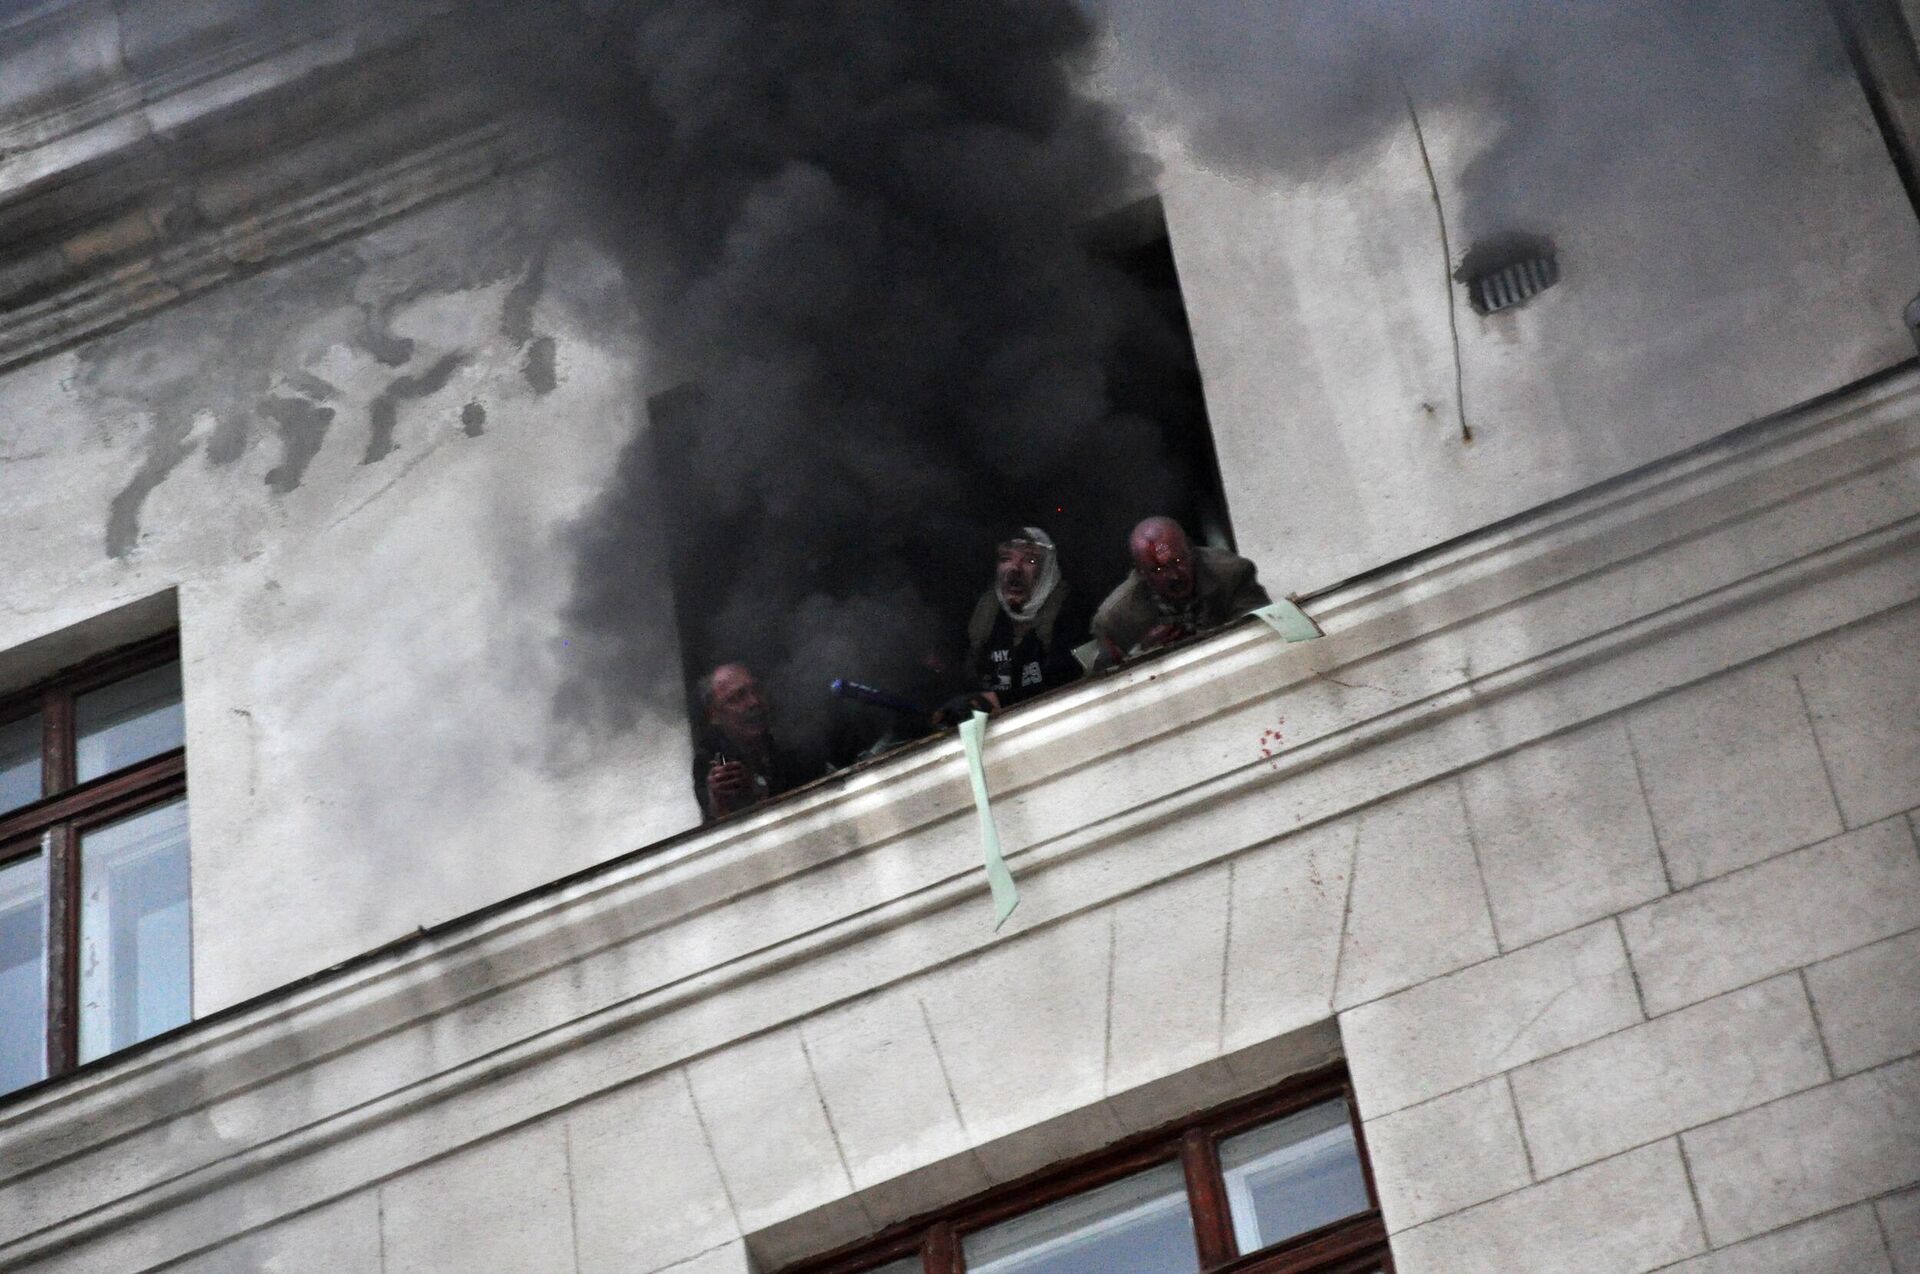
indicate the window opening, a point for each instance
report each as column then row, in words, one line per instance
column 1276, row 1184
column 20, row 764
column 95, row 936
column 23, row 976
column 1298, row 1174
column 133, row 929
column 1152, row 374
column 128, row 720
column 1141, row 1222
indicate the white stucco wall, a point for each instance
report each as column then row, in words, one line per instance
column 1714, row 278
column 1590, row 844
column 368, row 613
column 369, row 621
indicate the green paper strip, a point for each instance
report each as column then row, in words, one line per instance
column 1290, row 621
column 973, row 735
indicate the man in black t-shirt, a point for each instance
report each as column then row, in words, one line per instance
column 1017, row 645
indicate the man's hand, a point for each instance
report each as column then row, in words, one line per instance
column 1163, row 635
column 729, row 786
column 960, row 707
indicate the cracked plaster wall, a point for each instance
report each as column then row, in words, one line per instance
column 357, row 470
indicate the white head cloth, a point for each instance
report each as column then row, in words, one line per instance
column 1043, row 587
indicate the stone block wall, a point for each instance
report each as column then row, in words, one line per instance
column 1712, row 1067
column 1589, row 844
column 1641, row 996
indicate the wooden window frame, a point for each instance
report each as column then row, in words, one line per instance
column 53, row 825
column 1348, row 1246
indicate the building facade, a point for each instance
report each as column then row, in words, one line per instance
column 1579, row 856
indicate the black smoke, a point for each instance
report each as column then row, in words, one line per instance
column 861, row 235
column 1568, row 109
column 867, row 237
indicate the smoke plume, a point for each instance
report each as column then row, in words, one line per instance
column 861, row 231
column 1567, row 101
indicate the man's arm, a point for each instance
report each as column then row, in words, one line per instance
column 1247, row 593
column 1115, row 629
column 729, row 787
column 1060, row 667
column 979, row 633
column 1250, row 597
column 721, row 786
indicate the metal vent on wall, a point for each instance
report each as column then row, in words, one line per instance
column 1512, row 284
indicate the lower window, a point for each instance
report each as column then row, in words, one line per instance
column 1277, row 1184
column 95, row 938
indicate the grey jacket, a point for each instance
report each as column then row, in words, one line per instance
column 1225, row 589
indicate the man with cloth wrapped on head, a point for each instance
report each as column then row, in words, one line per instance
column 1017, row 645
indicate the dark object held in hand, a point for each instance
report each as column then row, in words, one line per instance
column 863, row 693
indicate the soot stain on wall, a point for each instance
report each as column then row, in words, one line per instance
column 303, row 428
column 539, row 366
column 384, row 414
column 516, row 324
column 235, row 357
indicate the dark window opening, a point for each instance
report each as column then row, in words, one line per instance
column 95, row 942
column 1277, row 1183
column 1152, row 376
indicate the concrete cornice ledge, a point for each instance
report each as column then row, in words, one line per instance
column 150, row 149
column 1778, row 533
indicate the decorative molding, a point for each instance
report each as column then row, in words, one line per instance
column 217, row 55
column 1789, row 530
column 99, row 302
column 107, row 220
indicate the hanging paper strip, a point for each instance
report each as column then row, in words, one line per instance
column 1289, row 621
column 1005, row 897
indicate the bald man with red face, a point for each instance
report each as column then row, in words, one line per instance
column 1176, row 590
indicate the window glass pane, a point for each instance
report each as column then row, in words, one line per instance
column 19, row 762
column 133, row 929
column 1292, row 1176
column 1141, row 1225
column 906, row 1265
column 23, row 977
column 128, row 721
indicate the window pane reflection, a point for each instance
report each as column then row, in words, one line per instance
column 19, row 762
column 1292, row 1176
column 128, row 721
column 905, row 1265
column 23, row 977
column 133, row 929
column 1137, row 1226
